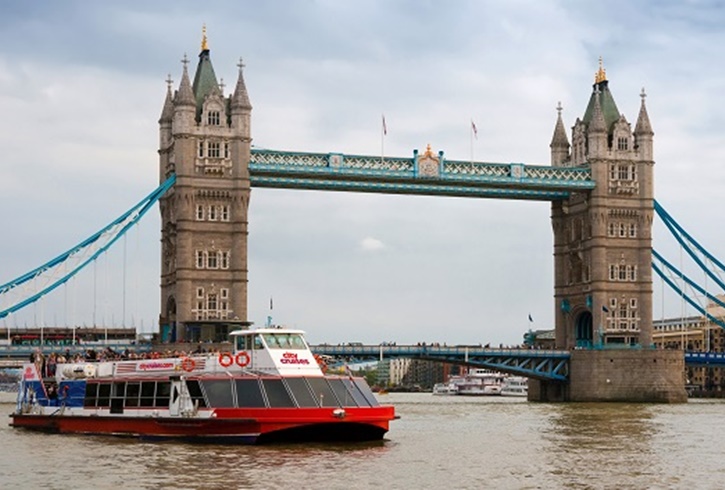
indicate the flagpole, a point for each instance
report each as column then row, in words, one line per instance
column 471, row 141
column 382, row 141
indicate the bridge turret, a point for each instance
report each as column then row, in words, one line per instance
column 559, row 142
column 643, row 132
column 597, row 134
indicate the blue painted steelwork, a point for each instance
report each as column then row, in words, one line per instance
column 336, row 171
column 669, row 273
column 710, row 359
column 110, row 233
column 552, row 365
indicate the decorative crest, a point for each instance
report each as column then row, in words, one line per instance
column 428, row 151
column 204, row 45
column 601, row 75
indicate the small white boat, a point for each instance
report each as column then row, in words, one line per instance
column 445, row 389
column 515, row 386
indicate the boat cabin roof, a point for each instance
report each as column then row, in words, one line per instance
column 267, row 330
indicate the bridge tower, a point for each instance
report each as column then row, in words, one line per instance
column 603, row 237
column 205, row 140
column 603, row 262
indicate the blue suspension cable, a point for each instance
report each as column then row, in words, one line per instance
column 144, row 205
column 678, row 232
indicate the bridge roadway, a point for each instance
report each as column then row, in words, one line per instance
column 541, row 364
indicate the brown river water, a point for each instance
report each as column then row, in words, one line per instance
column 444, row 442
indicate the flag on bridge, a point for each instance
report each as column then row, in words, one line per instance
column 474, row 129
column 530, row 318
column 385, row 126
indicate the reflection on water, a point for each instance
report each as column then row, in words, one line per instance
column 594, row 441
column 439, row 443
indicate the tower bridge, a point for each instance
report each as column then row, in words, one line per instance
column 599, row 185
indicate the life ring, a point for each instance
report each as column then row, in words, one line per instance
column 321, row 362
column 242, row 359
column 188, row 364
column 225, row 359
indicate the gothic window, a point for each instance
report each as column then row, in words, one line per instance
column 211, row 261
column 612, row 172
column 622, row 230
column 199, row 292
column 633, row 303
column 213, row 118
column 200, row 149
column 200, row 260
column 212, row 213
column 224, row 259
column 622, row 273
column 613, row 303
column 632, row 273
column 226, row 150
column 224, row 293
column 612, row 229
column 224, row 212
column 623, row 172
column 633, row 230
column 613, row 272
column 199, row 212
column 213, row 149
column 622, row 143
column 211, row 302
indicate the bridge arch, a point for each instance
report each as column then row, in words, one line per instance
column 583, row 329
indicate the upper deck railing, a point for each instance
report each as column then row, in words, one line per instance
column 432, row 175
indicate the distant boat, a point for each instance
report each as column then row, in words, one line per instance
column 515, row 386
column 477, row 382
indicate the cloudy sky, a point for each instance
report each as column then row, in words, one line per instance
column 81, row 91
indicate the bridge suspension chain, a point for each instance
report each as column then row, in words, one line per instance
column 31, row 286
column 676, row 279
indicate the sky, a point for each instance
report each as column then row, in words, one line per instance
column 82, row 87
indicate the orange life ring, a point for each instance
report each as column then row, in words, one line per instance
column 225, row 359
column 188, row 364
column 242, row 359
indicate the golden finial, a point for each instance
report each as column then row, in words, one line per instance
column 204, row 45
column 601, row 75
column 428, row 151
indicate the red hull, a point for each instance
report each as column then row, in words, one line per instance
column 230, row 424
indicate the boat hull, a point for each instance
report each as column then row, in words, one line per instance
column 240, row 426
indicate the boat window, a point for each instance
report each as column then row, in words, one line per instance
column 360, row 399
column 277, row 393
column 119, row 389
column 218, row 392
column 258, row 342
column 341, row 388
column 322, row 392
column 366, row 392
column 91, row 395
column 132, row 391
column 249, row 393
column 163, row 392
column 301, row 391
column 147, row 394
column 195, row 393
column 284, row 341
column 104, row 392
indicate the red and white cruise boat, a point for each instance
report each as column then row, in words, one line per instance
column 269, row 388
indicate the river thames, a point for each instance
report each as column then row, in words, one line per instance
column 439, row 442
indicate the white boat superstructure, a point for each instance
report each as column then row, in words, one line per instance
column 515, row 386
